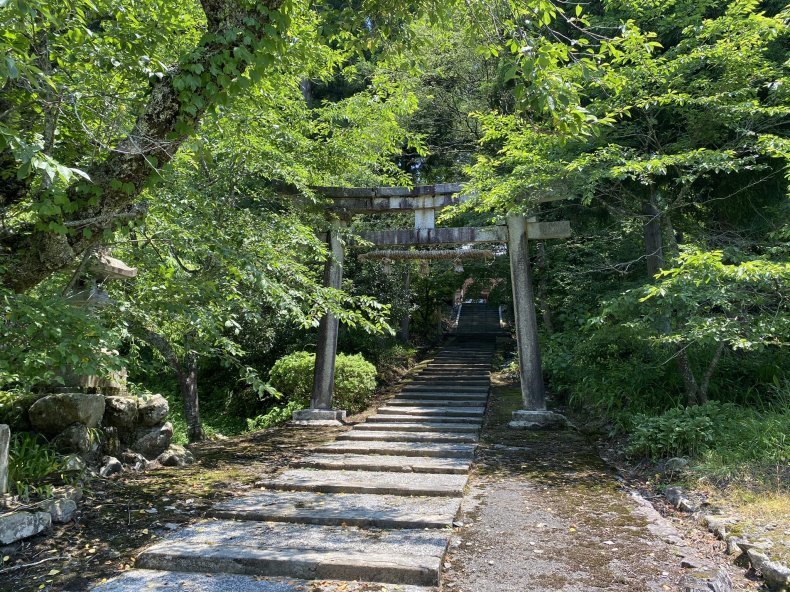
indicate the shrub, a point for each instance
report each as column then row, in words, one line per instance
column 274, row 417
column 355, row 379
column 678, row 432
column 727, row 432
column 32, row 463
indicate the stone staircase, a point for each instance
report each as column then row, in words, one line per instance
column 376, row 505
column 478, row 319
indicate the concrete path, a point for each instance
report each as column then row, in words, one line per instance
column 373, row 510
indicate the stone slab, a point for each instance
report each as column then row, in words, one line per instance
column 537, row 420
column 405, row 418
column 359, row 434
column 373, row 482
column 458, row 386
column 471, row 412
column 304, row 551
column 21, row 525
column 428, row 402
column 445, row 395
column 414, row 449
column 424, row 426
column 378, row 462
column 330, row 417
column 151, row 580
column 330, row 509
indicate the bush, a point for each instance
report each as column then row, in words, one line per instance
column 720, row 433
column 355, row 379
column 678, row 432
column 32, row 465
column 274, row 417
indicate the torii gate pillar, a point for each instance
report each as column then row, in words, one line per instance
column 533, row 391
column 320, row 411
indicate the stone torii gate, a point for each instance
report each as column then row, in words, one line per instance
column 424, row 201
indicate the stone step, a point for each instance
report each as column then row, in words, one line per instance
column 371, row 482
column 451, row 378
column 304, row 551
column 412, row 449
column 426, row 402
column 468, row 412
column 352, row 509
column 426, row 426
column 393, row 436
column 481, row 396
column 458, row 387
column 394, row 417
column 152, row 580
column 389, row 463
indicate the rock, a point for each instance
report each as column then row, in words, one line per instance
column 5, row 440
column 673, row 495
column 744, row 545
column 151, row 442
column 54, row 413
column 75, row 438
column 61, row 510
column 690, row 563
column 21, row 525
column 176, row 456
column 677, row 497
column 134, row 460
column 69, row 492
column 757, row 558
column 776, row 575
column 121, row 412
column 733, row 547
column 706, row 580
column 676, row 465
column 152, row 410
column 111, row 466
column 73, row 463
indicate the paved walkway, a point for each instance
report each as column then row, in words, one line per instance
column 373, row 510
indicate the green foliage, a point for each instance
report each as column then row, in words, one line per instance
column 714, row 433
column 277, row 415
column 612, row 370
column 676, row 432
column 32, row 465
column 42, row 335
column 355, row 379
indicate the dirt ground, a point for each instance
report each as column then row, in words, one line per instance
column 545, row 513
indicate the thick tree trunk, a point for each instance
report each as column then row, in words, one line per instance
column 187, row 380
column 170, row 117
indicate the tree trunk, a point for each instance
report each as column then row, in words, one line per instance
column 703, row 387
column 654, row 255
column 32, row 254
column 187, row 380
column 654, row 243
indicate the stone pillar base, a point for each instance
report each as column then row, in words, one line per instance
column 537, row 420
column 327, row 417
